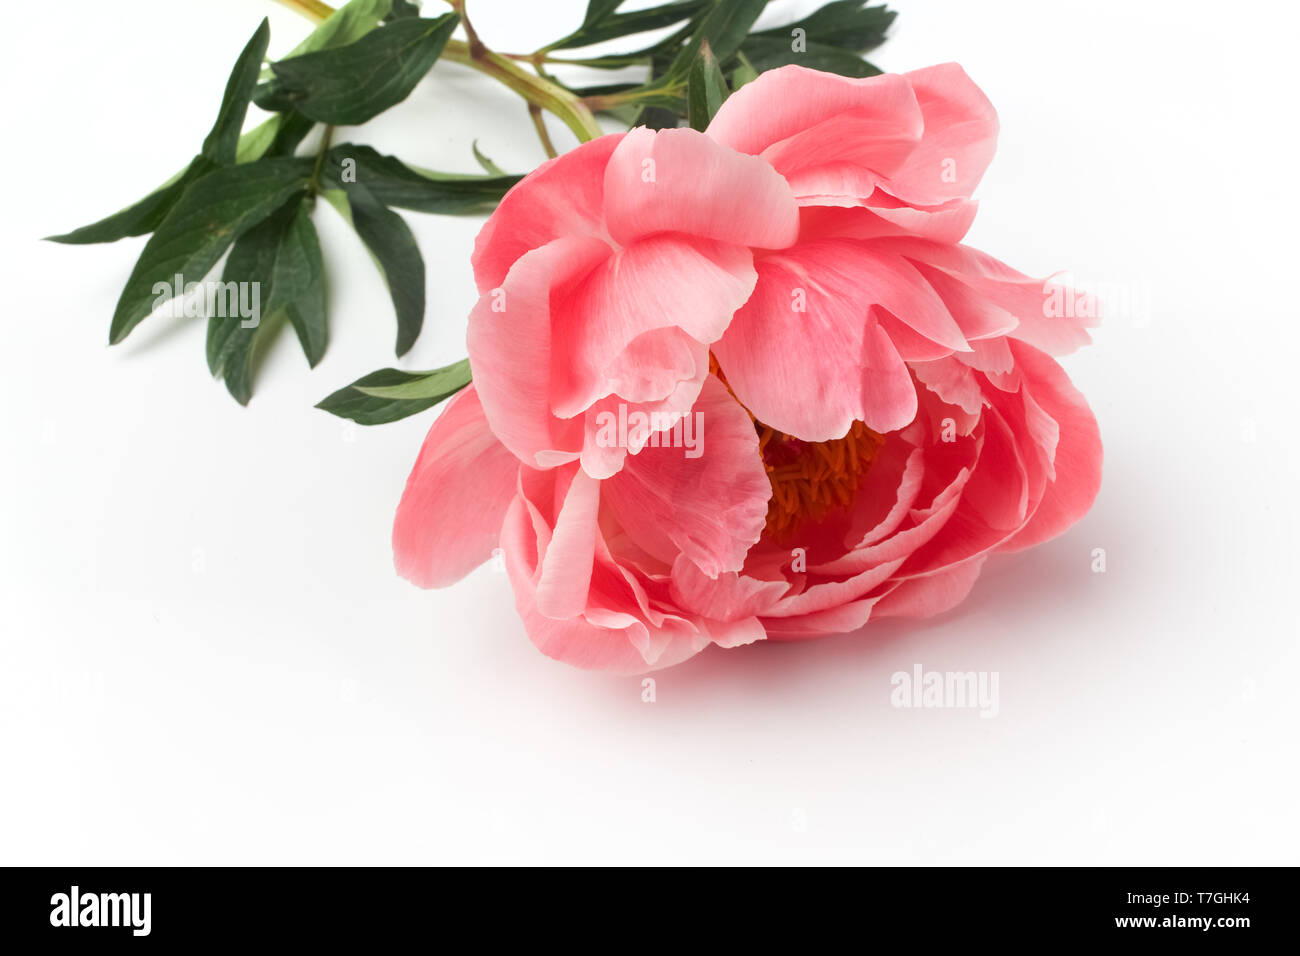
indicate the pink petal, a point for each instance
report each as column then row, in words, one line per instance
column 995, row 288
column 812, row 373
column 875, row 122
column 711, row 508
column 728, row 597
column 612, row 631
column 842, row 619
column 932, row 594
column 511, row 351
column 566, row 568
column 989, row 355
column 961, row 132
column 978, row 315
column 865, row 562
column 888, row 492
column 737, row 633
column 952, row 381
column 879, row 137
column 601, row 457
column 563, row 197
column 619, row 329
column 449, row 518
column 828, row 595
column 879, row 215
column 1076, row 455
column 995, row 498
column 679, row 180
column 998, row 492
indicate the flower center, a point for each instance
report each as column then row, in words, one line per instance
column 809, row 479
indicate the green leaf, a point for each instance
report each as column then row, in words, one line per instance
column 705, row 89
column 144, row 216
column 391, row 394
column 598, row 10
column 292, row 130
column 744, row 72
column 254, row 144
column 219, row 148
column 280, row 261
column 435, row 385
column 722, row 24
column 345, row 25
column 601, row 23
column 616, row 61
column 241, row 351
column 223, row 146
column 349, row 85
column 724, row 28
column 403, row 8
column 390, row 182
column 211, row 214
column 841, row 23
column 489, row 167
column 304, row 296
column 221, row 142
column 768, row 53
column 658, row 117
column 396, row 254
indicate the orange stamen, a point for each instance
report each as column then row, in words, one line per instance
column 809, row 479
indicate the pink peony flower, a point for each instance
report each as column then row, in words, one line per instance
column 746, row 384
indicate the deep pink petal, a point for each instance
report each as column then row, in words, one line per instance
column 894, row 549
column 887, row 494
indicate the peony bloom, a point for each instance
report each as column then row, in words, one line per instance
column 746, row 384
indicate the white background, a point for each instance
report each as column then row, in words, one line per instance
column 206, row 657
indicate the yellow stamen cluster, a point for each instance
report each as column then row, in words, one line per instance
column 809, row 479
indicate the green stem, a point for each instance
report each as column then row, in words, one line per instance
column 551, row 97
column 328, row 137
column 535, row 114
column 312, row 9
column 538, row 91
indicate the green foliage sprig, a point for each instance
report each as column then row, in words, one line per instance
column 251, row 195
